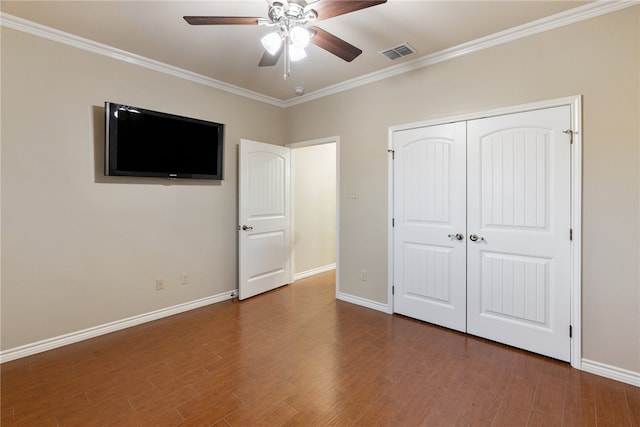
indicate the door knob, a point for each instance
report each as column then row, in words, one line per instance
column 475, row 238
column 247, row 227
column 457, row 236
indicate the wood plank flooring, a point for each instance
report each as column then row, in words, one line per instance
column 297, row 357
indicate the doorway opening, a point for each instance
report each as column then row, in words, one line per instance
column 314, row 206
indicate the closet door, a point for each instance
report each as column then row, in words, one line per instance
column 518, row 248
column 429, row 232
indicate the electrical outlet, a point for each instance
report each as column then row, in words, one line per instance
column 184, row 278
column 353, row 194
column 363, row 275
column 159, row 284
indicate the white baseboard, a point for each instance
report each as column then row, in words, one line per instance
column 611, row 372
column 62, row 340
column 314, row 271
column 363, row 302
column 597, row 368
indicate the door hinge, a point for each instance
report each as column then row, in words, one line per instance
column 393, row 154
column 393, row 290
column 393, row 222
column 570, row 331
column 571, row 234
column 570, row 133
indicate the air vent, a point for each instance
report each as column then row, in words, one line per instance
column 398, row 51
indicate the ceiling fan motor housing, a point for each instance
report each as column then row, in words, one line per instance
column 292, row 11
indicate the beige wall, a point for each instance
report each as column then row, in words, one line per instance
column 599, row 59
column 314, row 206
column 78, row 249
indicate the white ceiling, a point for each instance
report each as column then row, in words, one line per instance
column 230, row 54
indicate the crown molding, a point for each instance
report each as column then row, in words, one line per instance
column 578, row 14
column 29, row 27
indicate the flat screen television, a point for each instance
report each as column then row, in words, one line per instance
column 142, row 142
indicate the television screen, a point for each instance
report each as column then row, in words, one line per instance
column 142, row 142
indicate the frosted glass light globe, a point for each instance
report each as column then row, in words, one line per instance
column 296, row 53
column 300, row 37
column 271, row 43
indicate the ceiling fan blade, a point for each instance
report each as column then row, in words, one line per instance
column 329, row 8
column 221, row 20
column 333, row 44
column 269, row 60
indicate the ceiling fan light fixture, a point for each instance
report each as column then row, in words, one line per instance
column 272, row 42
column 300, row 37
column 296, row 53
column 289, row 18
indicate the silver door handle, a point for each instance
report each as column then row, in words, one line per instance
column 247, row 227
column 475, row 238
column 457, row 236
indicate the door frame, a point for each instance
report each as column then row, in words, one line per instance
column 308, row 143
column 575, row 103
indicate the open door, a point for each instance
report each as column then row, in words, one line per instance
column 264, row 218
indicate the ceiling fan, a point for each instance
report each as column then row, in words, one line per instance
column 289, row 18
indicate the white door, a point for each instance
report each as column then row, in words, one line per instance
column 264, row 218
column 519, row 208
column 429, row 211
column 508, row 280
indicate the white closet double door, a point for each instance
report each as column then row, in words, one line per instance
column 482, row 228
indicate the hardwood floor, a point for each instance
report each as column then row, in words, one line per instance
column 297, row 357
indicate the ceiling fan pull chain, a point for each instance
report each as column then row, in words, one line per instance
column 287, row 59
